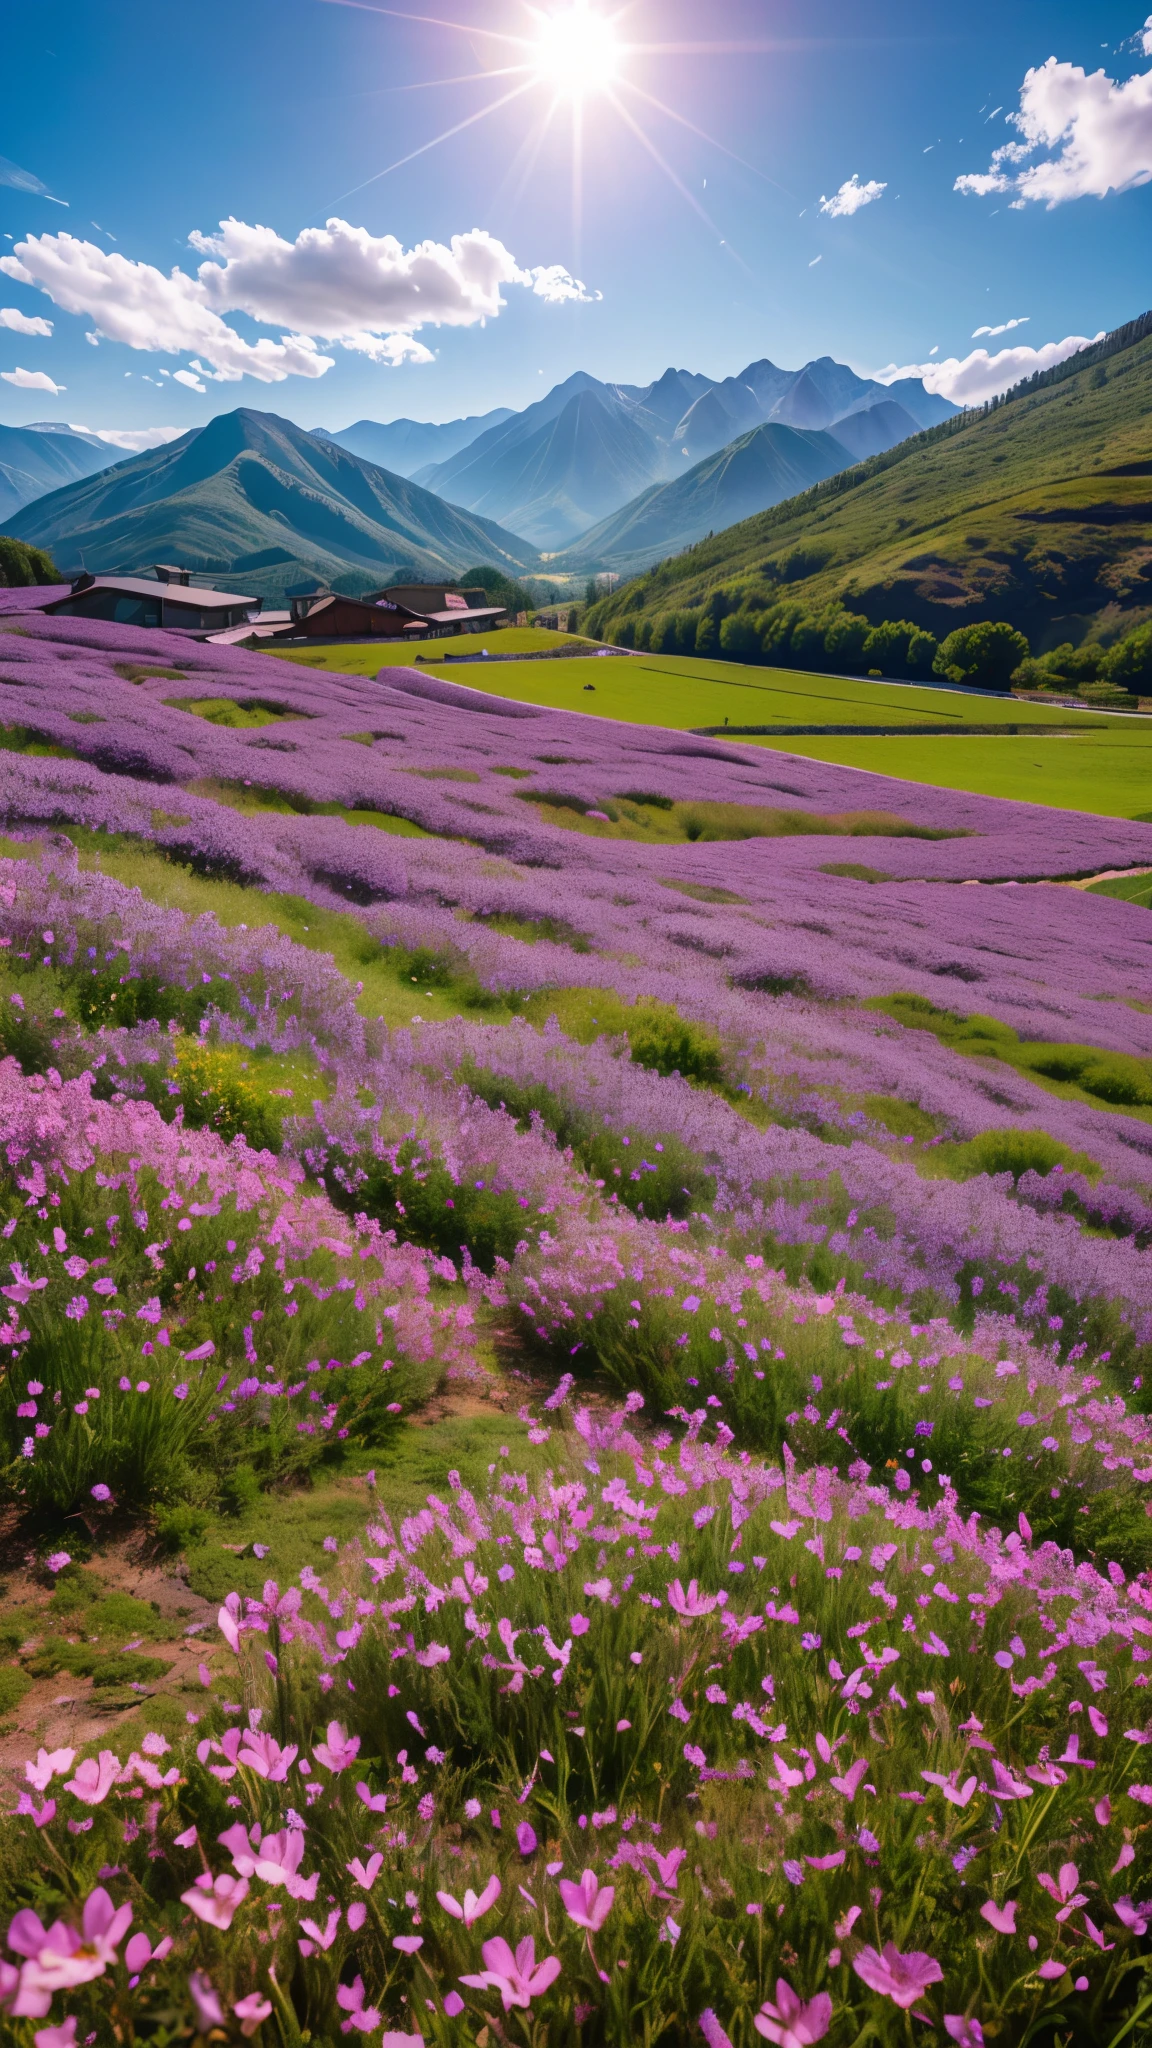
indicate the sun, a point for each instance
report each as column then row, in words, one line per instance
column 575, row 52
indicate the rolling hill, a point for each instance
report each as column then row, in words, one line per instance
column 252, row 498
column 1036, row 509
column 37, row 459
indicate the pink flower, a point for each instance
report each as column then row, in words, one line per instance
column 474, row 1908
column 59, row 1957
column 321, row 1937
column 588, row 1903
column 252, row 2012
column 1005, row 1786
column 712, row 2031
column 57, row 1561
column 365, row 1877
column 903, row 1979
column 791, row 2023
column 849, row 1784
column 140, row 1952
column 408, row 1944
column 209, row 2011
column 965, row 2032
column 350, row 1999
column 376, row 1802
column 526, row 1838
column 339, row 1751
column 63, row 2036
column 1002, row 1918
column 1135, row 1917
column 690, row 1605
column 228, row 1622
column 518, row 1978
column 94, row 1780
column 1064, row 1889
column 956, row 1794
column 49, row 1764
column 215, row 1902
column 263, row 1754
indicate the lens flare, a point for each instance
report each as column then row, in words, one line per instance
column 575, row 52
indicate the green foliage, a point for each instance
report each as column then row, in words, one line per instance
column 984, row 655
column 1129, row 663
column 14, row 1684
column 501, row 588
column 21, row 565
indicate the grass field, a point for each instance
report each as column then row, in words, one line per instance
column 365, row 657
column 679, row 691
column 1109, row 773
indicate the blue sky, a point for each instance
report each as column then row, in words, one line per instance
column 699, row 240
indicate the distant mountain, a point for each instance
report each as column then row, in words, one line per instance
column 253, row 499
column 44, row 458
column 404, row 446
column 609, row 443
column 761, row 468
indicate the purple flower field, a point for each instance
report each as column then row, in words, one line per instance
column 782, row 1676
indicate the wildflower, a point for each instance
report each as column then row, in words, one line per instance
column 215, row 1901
column 365, row 1875
column 691, row 1605
column 57, row 1561
column 339, row 1751
column 474, row 1907
column 518, row 1978
column 95, row 1778
column 59, row 1957
column 49, row 1764
column 588, row 1903
column 1002, row 1918
column 208, row 2009
column 350, row 1998
column 902, row 1978
column 966, row 2033
column 252, row 2012
column 789, row 2021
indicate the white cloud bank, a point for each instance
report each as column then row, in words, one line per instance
column 32, row 380
column 24, row 323
column 980, row 376
column 134, row 440
column 336, row 284
column 851, row 197
column 1098, row 135
column 1005, row 327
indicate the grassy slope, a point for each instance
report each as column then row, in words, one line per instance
column 1110, row 774
column 681, row 691
column 1019, row 516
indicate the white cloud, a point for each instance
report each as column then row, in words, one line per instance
column 190, row 378
column 133, row 439
column 32, row 380
column 136, row 304
column 1098, row 135
column 24, row 323
column 365, row 292
column 851, row 197
column 980, row 375
column 1005, row 328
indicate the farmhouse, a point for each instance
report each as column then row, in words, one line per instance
column 442, row 608
column 170, row 600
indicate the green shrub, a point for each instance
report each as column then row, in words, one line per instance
column 14, row 1684
column 21, row 565
column 985, row 655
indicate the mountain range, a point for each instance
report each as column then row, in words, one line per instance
column 254, row 497
column 587, row 449
column 591, row 476
column 45, row 457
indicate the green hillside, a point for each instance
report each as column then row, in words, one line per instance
column 253, row 497
column 1035, row 510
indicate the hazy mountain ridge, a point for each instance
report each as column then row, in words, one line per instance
column 551, row 488
column 253, row 497
column 46, row 457
column 405, row 446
